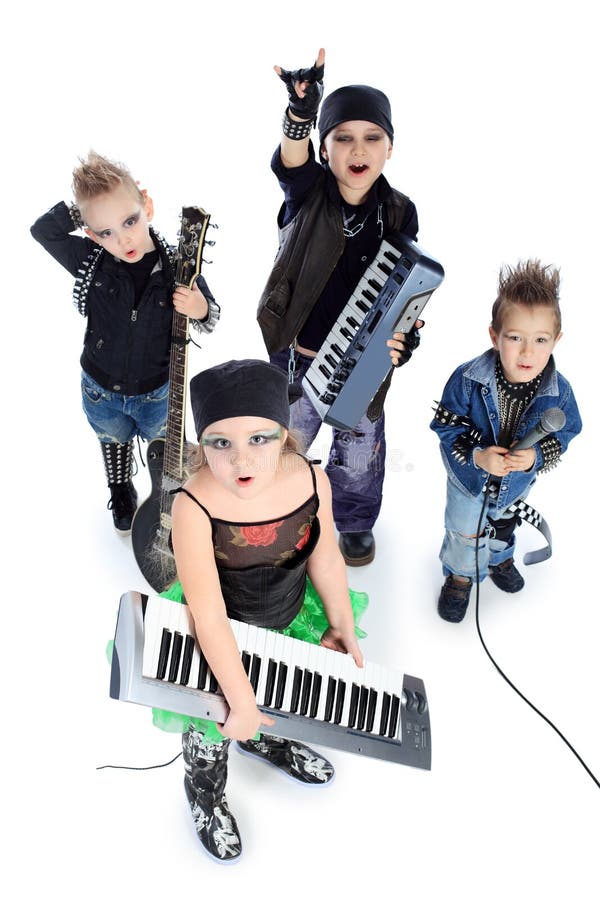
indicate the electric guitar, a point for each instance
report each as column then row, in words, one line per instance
column 151, row 526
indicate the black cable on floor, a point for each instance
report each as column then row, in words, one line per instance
column 497, row 667
column 140, row 768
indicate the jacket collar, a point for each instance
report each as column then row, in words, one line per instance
column 482, row 369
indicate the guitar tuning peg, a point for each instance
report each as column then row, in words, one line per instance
column 212, row 225
column 207, row 262
column 211, row 243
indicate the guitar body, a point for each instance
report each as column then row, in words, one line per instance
column 147, row 537
column 151, row 526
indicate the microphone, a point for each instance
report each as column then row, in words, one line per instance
column 552, row 420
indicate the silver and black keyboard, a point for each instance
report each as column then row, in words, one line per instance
column 354, row 359
column 314, row 694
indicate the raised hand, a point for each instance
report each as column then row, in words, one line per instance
column 304, row 87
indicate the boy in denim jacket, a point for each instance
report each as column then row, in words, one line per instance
column 487, row 405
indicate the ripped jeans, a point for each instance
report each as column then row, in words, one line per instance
column 356, row 458
column 117, row 419
column 458, row 548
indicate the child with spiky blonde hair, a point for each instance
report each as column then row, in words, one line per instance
column 125, row 286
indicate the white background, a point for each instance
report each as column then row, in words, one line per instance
column 495, row 110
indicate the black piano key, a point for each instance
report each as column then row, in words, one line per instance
column 202, row 672
column 352, row 322
column 371, row 709
column 246, row 661
column 393, row 257
column 163, row 656
column 296, row 685
column 188, row 655
column 212, row 684
column 331, row 686
column 270, row 682
column 316, row 695
column 331, row 360
column 305, row 693
column 325, row 371
column 175, row 657
column 354, row 695
column 362, row 708
column 339, row 702
column 327, row 398
column 374, row 284
column 384, row 268
column 394, row 713
column 369, row 296
column 385, row 713
column 347, row 334
column 281, row 682
column 337, row 350
column 255, row 672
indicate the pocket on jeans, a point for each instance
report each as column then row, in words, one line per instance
column 90, row 393
column 159, row 395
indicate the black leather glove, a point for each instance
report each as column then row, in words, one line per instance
column 411, row 342
column 304, row 107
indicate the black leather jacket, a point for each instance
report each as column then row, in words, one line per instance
column 126, row 346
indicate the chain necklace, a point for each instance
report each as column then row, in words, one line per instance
column 351, row 232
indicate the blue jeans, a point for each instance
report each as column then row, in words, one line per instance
column 458, row 548
column 356, row 458
column 117, row 419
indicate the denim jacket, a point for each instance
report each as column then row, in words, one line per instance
column 471, row 392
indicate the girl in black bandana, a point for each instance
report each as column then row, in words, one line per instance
column 254, row 541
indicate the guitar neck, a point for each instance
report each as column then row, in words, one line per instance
column 194, row 222
column 175, row 437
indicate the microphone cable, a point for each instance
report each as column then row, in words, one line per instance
column 495, row 664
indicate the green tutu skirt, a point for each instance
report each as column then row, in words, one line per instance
column 309, row 625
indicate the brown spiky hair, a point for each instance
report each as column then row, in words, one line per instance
column 530, row 284
column 98, row 175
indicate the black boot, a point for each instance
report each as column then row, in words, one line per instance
column 358, row 547
column 204, row 782
column 293, row 758
column 123, row 495
column 454, row 599
column 507, row 577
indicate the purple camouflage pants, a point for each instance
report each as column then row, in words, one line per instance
column 356, row 458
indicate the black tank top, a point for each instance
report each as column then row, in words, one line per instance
column 262, row 565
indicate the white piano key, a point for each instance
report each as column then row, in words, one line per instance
column 374, row 679
column 318, row 662
column 329, row 670
column 267, row 653
column 258, row 651
column 152, row 630
column 297, row 658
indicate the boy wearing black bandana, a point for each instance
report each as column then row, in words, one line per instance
column 335, row 215
column 489, row 404
column 124, row 284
